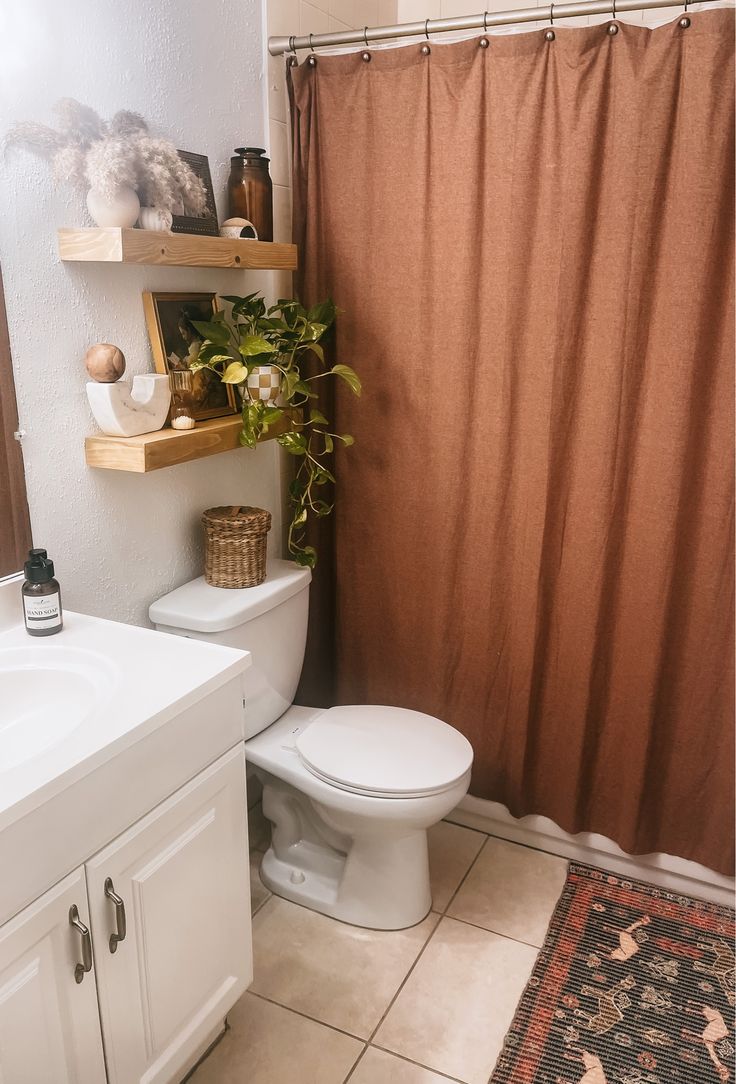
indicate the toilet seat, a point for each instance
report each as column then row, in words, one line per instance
column 383, row 752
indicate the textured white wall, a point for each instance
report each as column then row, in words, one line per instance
column 194, row 70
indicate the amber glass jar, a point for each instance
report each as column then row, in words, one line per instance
column 249, row 190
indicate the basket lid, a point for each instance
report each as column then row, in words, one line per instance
column 198, row 607
column 235, row 515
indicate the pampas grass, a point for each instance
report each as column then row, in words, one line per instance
column 88, row 152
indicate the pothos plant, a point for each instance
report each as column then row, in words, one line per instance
column 288, row 337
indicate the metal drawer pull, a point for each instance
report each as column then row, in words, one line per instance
column 120, row 923
column 86, row 965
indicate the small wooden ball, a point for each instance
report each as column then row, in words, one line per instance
column 105, row 363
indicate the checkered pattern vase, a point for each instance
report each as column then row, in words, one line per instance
column 263, row 383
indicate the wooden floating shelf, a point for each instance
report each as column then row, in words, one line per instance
column 167, row 447
column 111, row 244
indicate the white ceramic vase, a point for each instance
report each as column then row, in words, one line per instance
column 123, row 211
column 155, row 218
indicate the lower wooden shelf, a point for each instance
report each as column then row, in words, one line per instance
column 167, row 447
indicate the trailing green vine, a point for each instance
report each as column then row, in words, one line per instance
column 284, row 336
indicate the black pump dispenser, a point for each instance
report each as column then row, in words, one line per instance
column 38, row 568
column 41, row 596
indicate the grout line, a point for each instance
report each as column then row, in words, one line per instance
column 465, row 876
column 419, row 1064
column 496, row 933
column 356, row 1064
column 403, row 982
column 261, row 905
column 306, row 1016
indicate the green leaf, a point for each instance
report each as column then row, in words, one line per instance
column 346, row 439
column 235, row 373
column 350, row 377
column 329, row 443
column 307, row 557
column 294, row 443
column 323, row 313
column 317, row 417
column 216, row 333
column 250, row 345
column 317, row 349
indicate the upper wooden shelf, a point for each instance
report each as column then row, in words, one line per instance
column 167, row 447
column 111, row 244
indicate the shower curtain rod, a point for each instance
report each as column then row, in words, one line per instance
column 279, row 45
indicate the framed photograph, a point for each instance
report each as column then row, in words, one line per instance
column 207, row 224
column 175, row 342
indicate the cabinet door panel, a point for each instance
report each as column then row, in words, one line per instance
column 182, row 873
column 49, row 1023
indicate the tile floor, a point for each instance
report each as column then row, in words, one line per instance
column 332, row 1003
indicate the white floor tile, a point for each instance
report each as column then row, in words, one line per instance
column 342, row 975
column 270, row 1045
column 511, row 890
column 258, row 891
column 378, row 1067
column 452, row 849
column 456, row 1006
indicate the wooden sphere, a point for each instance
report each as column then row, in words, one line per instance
column 105, row 363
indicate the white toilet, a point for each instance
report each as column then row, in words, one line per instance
column 350, row 791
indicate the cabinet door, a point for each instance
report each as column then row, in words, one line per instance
column 182, row 875
column 49, row 1023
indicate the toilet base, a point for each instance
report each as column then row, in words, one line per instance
column 379, row 880
column 345, row 888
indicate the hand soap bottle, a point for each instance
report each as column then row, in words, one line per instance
column 41, row 596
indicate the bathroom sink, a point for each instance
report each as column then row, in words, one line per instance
column 46, row 692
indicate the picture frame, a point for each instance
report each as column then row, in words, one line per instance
column 207, row 223
column 174, row 340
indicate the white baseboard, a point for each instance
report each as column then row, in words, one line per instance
column 675, row 874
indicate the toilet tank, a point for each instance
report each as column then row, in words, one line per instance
column 269, row 620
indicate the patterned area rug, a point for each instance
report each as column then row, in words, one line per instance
column 633, row 985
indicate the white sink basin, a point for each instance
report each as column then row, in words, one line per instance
column 46, row 692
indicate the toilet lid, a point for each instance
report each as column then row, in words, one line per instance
column 381, row 751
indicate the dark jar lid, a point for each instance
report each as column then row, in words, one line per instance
column 38, row 568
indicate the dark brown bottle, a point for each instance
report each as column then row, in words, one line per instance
column 41, row 596
column 249, row 190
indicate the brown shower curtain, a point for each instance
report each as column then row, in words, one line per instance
column 532, row 244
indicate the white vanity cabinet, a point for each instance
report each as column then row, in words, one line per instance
column 182, row 952
column 49, row 1023
column 168, row 906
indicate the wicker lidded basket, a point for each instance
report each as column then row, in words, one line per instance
column 235, row 545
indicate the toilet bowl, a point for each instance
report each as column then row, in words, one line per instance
column 350, row 791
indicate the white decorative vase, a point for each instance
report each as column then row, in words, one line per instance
column 264, row 382
column 124, row 410
column 155, row 218
column 123, row 211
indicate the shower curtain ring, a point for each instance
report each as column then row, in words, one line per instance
column 426, row 31
column 685, row 20
column 551, row 14
column 311, row 59
column 365, row 36
column 485, row 22
column 613, row 10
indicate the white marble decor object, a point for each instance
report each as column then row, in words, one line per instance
column 125, row 410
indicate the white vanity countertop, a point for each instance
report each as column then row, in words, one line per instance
column 147, row 678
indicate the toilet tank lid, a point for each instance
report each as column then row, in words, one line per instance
column 197, row 607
